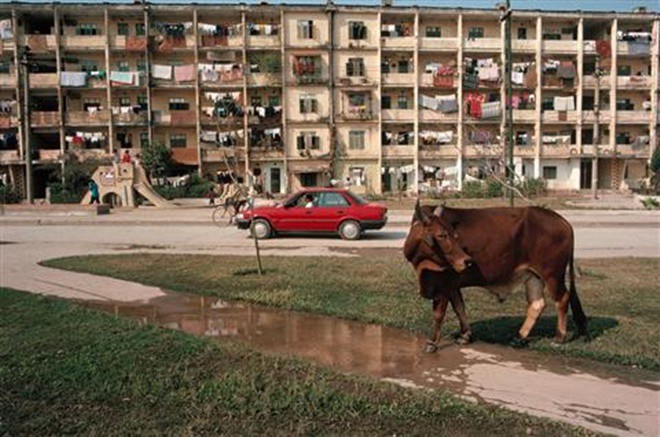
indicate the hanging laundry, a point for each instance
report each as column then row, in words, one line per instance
column 136, row 43
column 566, row 70
column 473, row 103
column 491, row 110
column 6, row 31
column 428, row 102
column 124, row 77
column 447, row 104
column 184, row 73
column 604, row 48
column 73, row 78
column 517, row 77
column 161, row 72
column 563, row 103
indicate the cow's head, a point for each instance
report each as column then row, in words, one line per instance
column 432, row 247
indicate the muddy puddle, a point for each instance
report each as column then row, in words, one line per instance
column 600, row 397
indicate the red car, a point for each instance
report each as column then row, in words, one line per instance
column 317, row 210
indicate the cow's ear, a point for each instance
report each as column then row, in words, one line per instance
column 438, row 211
column 428, row 239
column 419, row 214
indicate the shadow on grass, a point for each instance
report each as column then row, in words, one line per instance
column 503, row 329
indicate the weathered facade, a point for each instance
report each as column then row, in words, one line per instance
column 394, row 98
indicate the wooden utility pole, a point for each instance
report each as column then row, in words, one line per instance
column 596, row 128
column 256, row 240
column 508, row 98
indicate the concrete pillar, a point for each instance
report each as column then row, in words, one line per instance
column 538, row 125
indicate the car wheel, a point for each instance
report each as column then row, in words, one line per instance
column 350, row 230
column 261, row 229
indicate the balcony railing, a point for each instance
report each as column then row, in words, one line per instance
column 40, row 43
column 633, row 150
column 48, row 154
column 263, row 41
column 398, row 78
column 175, row 118
column 9, row 156
column 129, row 118
column 523, row 45
column 402, row 42
column 429, row 115
column 231, row 121
column 356, row 113
column 221, row 155
column 398, row 114
column 398, row 151
column 7, row 80
column 84, row 42
column 427, row 80
column 439, row 151
column 559, row 47
column 264, row 79
column 524, row 115
column 643, row 117
column 44, row 119
column 482, row 150
column 633, row 82
column 556, row 150
column 589, row 81
column 440, row 44
column 524, row 151
column 590, row 116
column 309, row 79
column 483, row 44
column 44, row 80
column 86, row 118
column 8, row 121
column 559, row 116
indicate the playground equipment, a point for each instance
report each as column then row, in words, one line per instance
column 119, row 182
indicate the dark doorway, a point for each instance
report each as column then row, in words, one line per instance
column 275, row 184
column 585, row 174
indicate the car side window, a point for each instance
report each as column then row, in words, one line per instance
column 330, row 199
column 303, row 200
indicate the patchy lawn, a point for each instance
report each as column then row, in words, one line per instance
column 620, row 296
column 65, row 369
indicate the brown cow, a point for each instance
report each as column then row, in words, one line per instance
column 498, row 249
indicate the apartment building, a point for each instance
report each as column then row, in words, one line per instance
column 392, row 98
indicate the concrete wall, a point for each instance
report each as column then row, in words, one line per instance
column 568, row 173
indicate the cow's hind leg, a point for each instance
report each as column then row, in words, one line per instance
column 439, row 309
column 456, row 298
column 535, row 304
column 562, row 297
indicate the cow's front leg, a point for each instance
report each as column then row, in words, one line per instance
column 535, row 305
column 456, row 298
column 439, row 309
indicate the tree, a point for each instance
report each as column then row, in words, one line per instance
column 156, row 159
column 655, row 170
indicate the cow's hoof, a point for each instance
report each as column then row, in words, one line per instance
column 559, row 340
column 430, row 347
column 519, row 342
column 464, row 339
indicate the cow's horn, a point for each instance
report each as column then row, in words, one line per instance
column 419, row 214
column 437, row 211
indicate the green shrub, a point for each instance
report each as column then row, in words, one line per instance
column 9, row 195
column 494, row 188
column 197, row 187
column 59, row 194
column 534, row 187
column 473, row 190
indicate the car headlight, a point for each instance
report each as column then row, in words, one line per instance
column 240, row 216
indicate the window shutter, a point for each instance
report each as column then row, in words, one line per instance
column 301, row 142
column 302, row 106
column 316, row 142
column 363, row 32
column 310, row 25
column 314, row 106
column 349, row 69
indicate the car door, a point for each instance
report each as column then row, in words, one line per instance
column 295, row 217
column 331, row 210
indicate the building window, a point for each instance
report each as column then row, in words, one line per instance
column 357, row 176
column 549, row 172
column 402, row 101
column 356, row 140
column 404, row 66
column 123, row 66
column 5, row 67
column 386, row 102
column 623, row 70
column 144, row 139
column 255, row 100
column 308, row 179
column 357, row 30
column 476, row 32
column 522, row 33
column 141, row 66
column 179, row 104
column 143, row 102
column 308, row 141
column 87, row 29
column 433, row 32
column 178, row 140
column 355, row 67
column 274, row 101
column 385, row 66
column 91, row 103
column 306, row 65
column 305, row 29
column 87, row 65
column 122, row 29
column 124, row 101
column 308, row 105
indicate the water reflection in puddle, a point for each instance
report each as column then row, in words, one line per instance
column 599, row 397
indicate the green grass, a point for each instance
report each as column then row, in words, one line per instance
column 66, row 369
column 619, row 295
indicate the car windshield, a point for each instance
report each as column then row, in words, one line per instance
column 357, row 199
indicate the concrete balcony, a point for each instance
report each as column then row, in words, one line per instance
column 524, row 151
column 403, row 42
column 119, row 42
column 556, row 151
column 523, row 45
column 355, row 81
column 262, row 41
column 483, row 45
column 623, row 48
column 174, row 118
column 48, row 155
column 223, row 122
column 589, row 47
column 438, row 152
column 482, row 150
column 634, row 82
column 85, row 118
column 590, row 81
column 559, row 116
column 633, row 150
column 8, row 80
column 356, row 114
column 84, row 42
column 554, row 47
column 524, row 115
column 8, row 121
column 398, row 79
column 40, row 43
column 264, row 79
column 44, row 119
column 7, row 46
column 221, row 154
column 404, row 115
column 98, row 153
column 263, row 153
column 44, row 80
column 438, row 44
column 206, row 42
column 9, row 157
column 426, row 80
column 431, row 116
column 604, row 116
column 398, row 151
column 634, row 117
column 605, row 149
column 130, row 118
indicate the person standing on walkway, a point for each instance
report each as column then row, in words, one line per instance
column 126, row 157
column 94, row 192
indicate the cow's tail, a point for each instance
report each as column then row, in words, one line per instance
column 579, row 317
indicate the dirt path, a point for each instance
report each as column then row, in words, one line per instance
column 602, row 398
